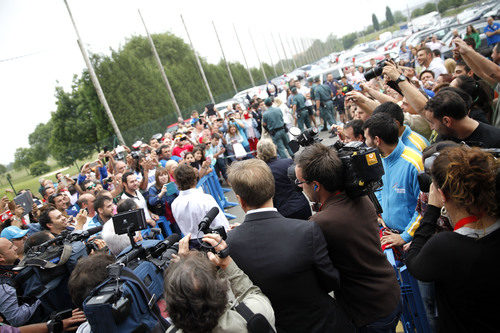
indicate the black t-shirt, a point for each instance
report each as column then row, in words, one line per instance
column 484, row 136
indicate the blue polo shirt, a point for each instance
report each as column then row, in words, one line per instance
column 492, row 28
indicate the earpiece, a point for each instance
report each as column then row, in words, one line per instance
column 315, row 187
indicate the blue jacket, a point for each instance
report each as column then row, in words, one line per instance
column 399, row 194
column 413, row 139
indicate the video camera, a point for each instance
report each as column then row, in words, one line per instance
column 363, row 169
column 126, row 301
column 204, row 226
column 306, row 138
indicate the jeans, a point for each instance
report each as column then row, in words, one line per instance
column 428, row 295
column 383, row 325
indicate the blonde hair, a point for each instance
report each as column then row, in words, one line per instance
column 169, row 165
column 253, row 181
column 278, row 101
column 450, row 65
column 266, row 150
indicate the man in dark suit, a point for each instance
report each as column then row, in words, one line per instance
column 369, row 293
column 286, row 258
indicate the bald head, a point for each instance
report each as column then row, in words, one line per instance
column 120, row 167
column 86, row 200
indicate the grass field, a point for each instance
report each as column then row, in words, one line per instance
column 22, row 180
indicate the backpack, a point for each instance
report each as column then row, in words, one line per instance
column 123, row 304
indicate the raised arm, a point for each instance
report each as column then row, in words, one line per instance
column 482, row 67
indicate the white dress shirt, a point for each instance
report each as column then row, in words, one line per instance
column 191, row 206
column 259, row 210
column 116, row 243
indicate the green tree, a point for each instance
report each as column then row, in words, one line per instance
column 349, row 40
column 3, row 169
column 399, row 16
column 73, row 134
column 388, row 16
column 23, row 157
column 444, row 5
column 429, row 7
column 39, row 168
column 376, row 26
column 417, row 12
column 39, row 141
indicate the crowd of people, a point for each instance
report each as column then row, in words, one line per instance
column 307, row 257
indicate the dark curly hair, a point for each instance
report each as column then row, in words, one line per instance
column 196, row 297
column 468, row 176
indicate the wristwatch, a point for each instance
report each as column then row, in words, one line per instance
column 55, row 326
column 400, row 78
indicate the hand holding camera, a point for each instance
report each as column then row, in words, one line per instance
column 220, row 247
column 391, row 71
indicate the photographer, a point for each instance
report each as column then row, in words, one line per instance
column 196, row 292
column 369, row 292
column 88, row 274
column 399, row 194
column 11, row 308
column 461, row 263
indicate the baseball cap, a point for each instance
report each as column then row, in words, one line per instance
column 13, row 232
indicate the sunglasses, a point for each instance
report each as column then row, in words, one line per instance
column 90, row 187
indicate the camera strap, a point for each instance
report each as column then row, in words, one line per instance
column 256, row 322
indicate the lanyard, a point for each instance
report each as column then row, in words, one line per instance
column 464, row 221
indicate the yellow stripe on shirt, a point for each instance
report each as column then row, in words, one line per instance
column 417, row 141
column 413, row 157
column 414, row 226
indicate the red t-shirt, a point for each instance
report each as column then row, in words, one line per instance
column 177, row 151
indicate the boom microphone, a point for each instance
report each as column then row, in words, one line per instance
column 208, row 219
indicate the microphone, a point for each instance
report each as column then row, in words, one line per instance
column 207, row 220
column 131, row 255
column 163, row 246
column 85, row 234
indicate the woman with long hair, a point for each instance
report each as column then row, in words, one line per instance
column 159, row 201
column 463, row 263
column 471, row 32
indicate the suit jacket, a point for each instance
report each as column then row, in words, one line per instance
column 287, row 199
column 288, row 260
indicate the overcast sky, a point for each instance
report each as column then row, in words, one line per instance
column 39, row 50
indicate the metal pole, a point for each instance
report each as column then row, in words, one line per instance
column 244, row 58
column 95, row 81
column 279, row 57
column 297, row 53
column 283, row 47
column 291, row 51
column 161, row 68
column 258, row 58
column 198, row 62
column 225, row 60
column 270, row 58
